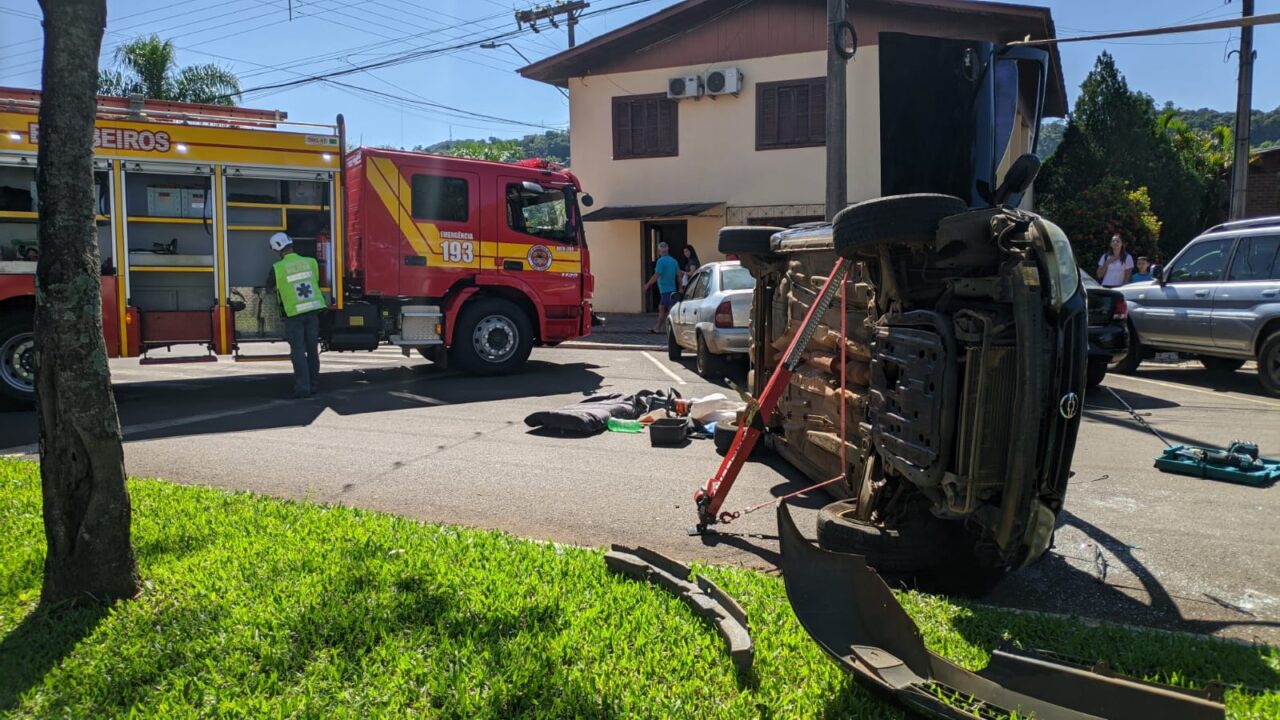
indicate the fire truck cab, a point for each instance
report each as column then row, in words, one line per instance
column 470, row 262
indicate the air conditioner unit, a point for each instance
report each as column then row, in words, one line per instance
column 723, row 81
column 684, row 87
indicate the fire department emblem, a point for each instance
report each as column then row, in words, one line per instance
column 540, row 257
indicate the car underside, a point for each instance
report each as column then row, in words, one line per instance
column 945, row 388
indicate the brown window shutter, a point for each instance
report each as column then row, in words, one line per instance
column 621, row 127
column 817, row 112
column 766, row 116
column 667, row 131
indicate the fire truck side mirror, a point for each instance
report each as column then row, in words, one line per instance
column 587, row 200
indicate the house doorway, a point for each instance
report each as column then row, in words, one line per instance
column 675, row 233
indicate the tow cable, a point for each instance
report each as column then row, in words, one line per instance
column 1138, row 418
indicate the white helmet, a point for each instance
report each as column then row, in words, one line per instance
column 280, row 241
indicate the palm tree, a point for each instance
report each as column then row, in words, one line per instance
column 148, row 66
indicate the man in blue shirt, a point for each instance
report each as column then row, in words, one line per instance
column 665, row 272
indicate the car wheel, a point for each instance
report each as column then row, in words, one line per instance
column 859, row 230
column 1096, row 372
column 1269, row 364
column 18, row 360
column 708, row 364
column 748, row 239
column 1220, row 366
column 674, row 351
column 493, row 337
column 918, row 543
column 1128, row 364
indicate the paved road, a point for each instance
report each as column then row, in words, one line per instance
column 399, row 435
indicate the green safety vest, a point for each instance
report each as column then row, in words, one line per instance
column 298, row 284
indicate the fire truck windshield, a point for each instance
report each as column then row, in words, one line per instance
column 544, row 214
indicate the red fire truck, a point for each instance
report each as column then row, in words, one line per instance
column 468, row 262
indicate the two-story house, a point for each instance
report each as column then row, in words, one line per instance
column 747, row 145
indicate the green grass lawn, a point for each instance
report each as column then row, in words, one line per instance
column 262, row 608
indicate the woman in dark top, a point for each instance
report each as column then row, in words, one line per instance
column 689, row 264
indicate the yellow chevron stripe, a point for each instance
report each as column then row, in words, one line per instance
column 383, row 170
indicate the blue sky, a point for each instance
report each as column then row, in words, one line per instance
column 257, row 40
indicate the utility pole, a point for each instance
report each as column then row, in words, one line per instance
column 571, row 11
column 837, row 121
column 1244, row 110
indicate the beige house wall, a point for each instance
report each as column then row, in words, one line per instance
column 717, row 161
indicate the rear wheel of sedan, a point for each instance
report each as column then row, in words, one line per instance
column 1220, row 366
column 1128, row 364
column 708, row 364
column 1096, row 372
column 1269, row 364
column 673, row 348
column 918, row 542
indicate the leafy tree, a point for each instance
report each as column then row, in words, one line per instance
column 1108, row 206
column 1264, row 128
column 86, row 503
column 1206, row 157
column 552, row 145
column 148, row 66
column 1114, row 131
column 1050, row 138
column 496, row 150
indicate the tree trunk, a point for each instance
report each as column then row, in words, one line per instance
column 86, row 503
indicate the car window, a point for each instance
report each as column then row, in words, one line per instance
column 736, row 277
column 698, row 288
column 1255, row 259
column 1202, row 262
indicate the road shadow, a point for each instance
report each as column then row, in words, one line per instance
column 41, row 641
column 219, row 404
column 1243, row 381
column 729, row 370
column 1083, row 581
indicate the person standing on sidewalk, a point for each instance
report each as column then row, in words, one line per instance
column 297, row 283
column 1115, row 267
column 665, row 272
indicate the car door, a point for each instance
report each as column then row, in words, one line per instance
column 1253, row 280
column 1178, row 313
column 688, row 308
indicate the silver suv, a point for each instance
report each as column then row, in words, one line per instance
column 1218, row 300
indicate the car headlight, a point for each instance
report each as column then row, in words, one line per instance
column 1063, row 276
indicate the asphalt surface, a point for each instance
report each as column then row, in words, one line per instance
column 399, row 435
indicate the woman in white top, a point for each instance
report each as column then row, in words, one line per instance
column 1116, row 267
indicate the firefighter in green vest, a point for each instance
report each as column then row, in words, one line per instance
column 297, row 283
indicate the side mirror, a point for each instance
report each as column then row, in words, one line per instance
column 677, row 296
column 587, row 200
column 1157, row 272
column 1018, row 180
column 533, row 187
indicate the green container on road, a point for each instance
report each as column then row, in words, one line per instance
column 625, row 426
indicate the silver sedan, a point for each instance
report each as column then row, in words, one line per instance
column 710, row 316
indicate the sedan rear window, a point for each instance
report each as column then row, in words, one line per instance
column 736, row 278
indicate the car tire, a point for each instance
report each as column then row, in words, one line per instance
column 17, row 353
column 746, row 239
column 860, row 230
column 725, row 433
column 1220, row 365
column 708, row 364
column 493, row 337
column 920, row 543
column 1269, row 364
column 1097, row 370
column 1128, row 364
column 674, row 351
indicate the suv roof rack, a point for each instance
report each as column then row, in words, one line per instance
column 1246, row 223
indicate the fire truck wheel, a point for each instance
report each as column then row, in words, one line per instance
column 493, row 336
column 860, row 230
column 17, row 360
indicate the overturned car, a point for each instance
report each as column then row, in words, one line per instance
column 959, row 376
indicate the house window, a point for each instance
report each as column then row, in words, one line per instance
column 644, row 126
column 440, row 198
column 791, row 114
